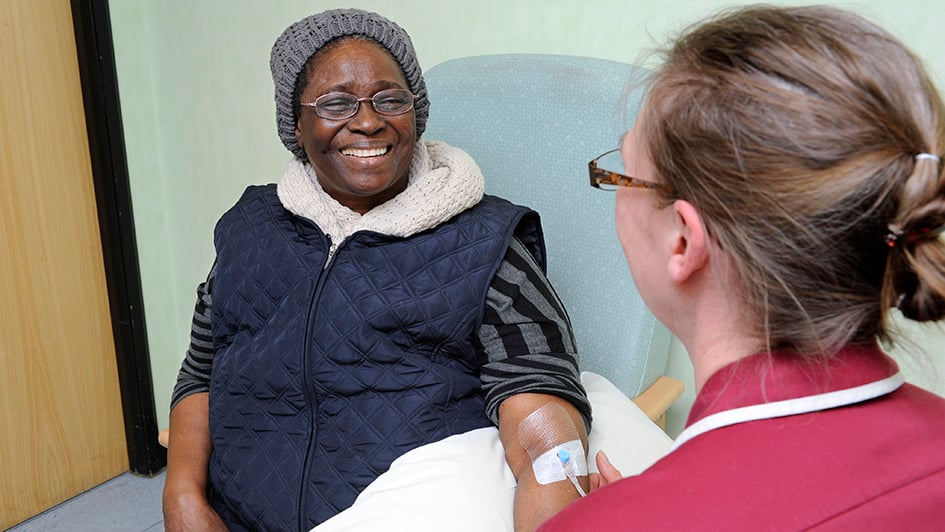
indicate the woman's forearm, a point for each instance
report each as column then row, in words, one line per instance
column 188, row 456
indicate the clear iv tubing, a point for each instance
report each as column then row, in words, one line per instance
column 565, row 457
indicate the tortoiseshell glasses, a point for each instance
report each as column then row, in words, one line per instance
column 604, row 178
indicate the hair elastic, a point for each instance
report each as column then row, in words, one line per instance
column 932, row 156
column 896, row 235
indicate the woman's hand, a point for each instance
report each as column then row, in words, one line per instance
column 608, row 473
column 189, row 511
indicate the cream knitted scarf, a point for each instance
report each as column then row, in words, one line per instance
column 444, row 181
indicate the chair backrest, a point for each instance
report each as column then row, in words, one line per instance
column 532, row 122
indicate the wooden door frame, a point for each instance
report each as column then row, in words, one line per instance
column 99, row 77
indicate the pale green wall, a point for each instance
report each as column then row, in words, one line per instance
column 199, row 121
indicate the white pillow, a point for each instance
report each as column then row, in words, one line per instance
column 629, row 439
column 462, row 483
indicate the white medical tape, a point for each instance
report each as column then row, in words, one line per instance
column 552, row 442
column 549, row 468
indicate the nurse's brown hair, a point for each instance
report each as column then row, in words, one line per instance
column 794, row 132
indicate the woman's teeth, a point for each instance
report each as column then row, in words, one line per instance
column 350, row 152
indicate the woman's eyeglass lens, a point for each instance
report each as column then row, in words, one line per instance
column 341, row 105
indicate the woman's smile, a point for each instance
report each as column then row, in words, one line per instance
column 362, row 153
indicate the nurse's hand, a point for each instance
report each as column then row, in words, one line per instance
column 608, row 473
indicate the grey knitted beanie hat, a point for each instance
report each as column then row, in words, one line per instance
column 300, row 40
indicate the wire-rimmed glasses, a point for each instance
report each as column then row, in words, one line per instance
column 341, row 105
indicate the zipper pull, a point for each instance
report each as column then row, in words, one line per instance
column 332, row 248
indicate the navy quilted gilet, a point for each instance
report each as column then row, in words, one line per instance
column 326, row 371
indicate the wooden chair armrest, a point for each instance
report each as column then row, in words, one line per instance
column 656, row 400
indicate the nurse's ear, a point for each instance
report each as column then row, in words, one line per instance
column 690, row 249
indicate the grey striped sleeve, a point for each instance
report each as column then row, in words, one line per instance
column 526, row 337
column 194, row 374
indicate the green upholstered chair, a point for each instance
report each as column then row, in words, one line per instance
column 532, row 122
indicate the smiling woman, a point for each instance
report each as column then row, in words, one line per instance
column 361, row 160
column 371, row 302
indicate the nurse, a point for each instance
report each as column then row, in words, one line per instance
column 781, row 197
